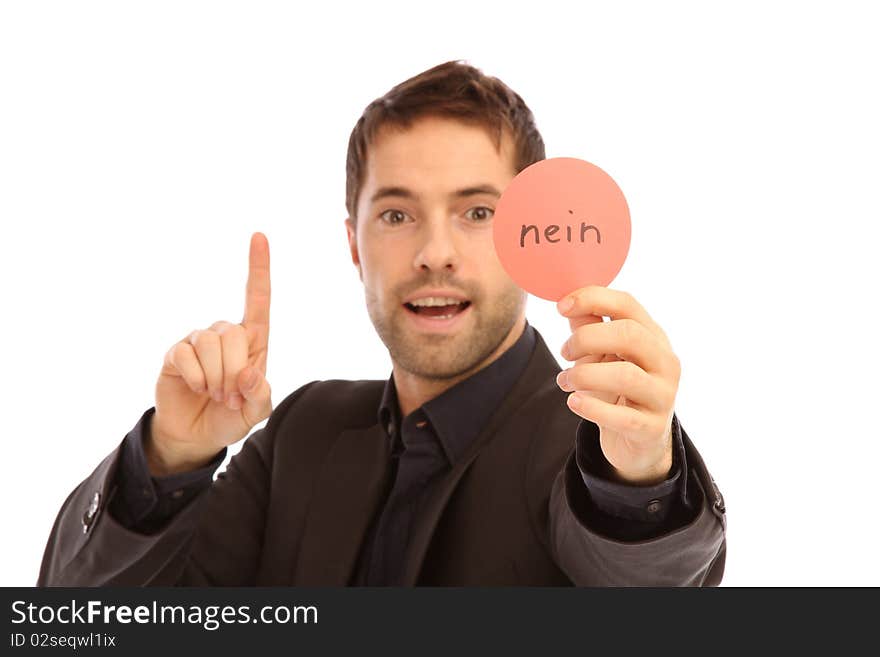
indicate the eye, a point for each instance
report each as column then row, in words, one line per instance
column 480, row 213
column 393, row 217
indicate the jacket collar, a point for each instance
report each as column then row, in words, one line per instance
column 459, row 414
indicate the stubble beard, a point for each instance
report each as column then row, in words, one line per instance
column 438, row 357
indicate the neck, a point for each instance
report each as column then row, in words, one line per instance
column 414, row 390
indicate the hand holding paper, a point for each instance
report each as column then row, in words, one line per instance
column 562, row 232
column 624, row 378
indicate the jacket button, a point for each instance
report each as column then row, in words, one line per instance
column 653, row 506
column 89, row 516
column 96, row 501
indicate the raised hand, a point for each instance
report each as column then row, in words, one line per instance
column 212, row 388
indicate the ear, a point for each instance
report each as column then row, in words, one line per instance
column 351, row 231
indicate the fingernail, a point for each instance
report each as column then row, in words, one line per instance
column 562, row 379
column 217, row 395
column 574, row 401
column 235, row 400
column 564, row 350
column 565, row 305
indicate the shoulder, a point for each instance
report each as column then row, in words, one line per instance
column 311, row 413
column 334, row 401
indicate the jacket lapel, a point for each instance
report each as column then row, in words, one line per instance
column 542, row 366
column 347, row 493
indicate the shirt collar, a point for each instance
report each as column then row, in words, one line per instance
column 459, row 414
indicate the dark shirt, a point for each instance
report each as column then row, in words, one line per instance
column 425, row 444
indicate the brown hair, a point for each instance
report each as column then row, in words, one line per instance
column 456, row 90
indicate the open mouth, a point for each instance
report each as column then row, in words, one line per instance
column 437, row 309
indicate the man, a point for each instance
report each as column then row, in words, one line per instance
column 474, row 464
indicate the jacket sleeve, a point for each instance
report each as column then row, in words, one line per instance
column 691, row 554
column 624, row 511
column 216, row 539
column 144, row 503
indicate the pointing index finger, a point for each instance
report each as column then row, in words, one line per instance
column 258, row 291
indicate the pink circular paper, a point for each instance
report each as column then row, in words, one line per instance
column 561, row 224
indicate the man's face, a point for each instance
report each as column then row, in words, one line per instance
column 424, row 236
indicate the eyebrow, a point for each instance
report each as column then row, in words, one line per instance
column 403, row 192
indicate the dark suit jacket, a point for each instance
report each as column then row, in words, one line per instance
column 294, row 505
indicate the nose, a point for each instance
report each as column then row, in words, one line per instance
column 437, row 251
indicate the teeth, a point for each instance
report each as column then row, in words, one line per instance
column 435, row 301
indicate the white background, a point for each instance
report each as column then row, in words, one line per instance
column 142, row 143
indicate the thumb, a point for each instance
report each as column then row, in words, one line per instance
column 256, row 393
